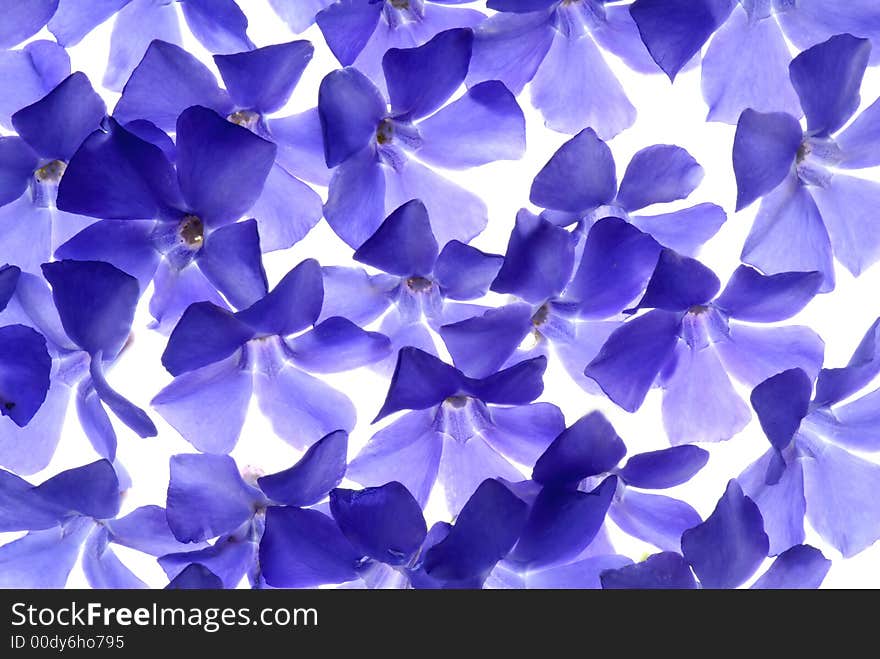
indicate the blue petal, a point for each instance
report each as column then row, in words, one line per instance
column 126, row 411
column 292, row 306
column 516, row 385
column 337, row 345
column 184, row 82
column 420, row 381
column 230, row 558
column 353, row 294
column 23, row 19
column 309, row 480
column 403, row 244
column 73, row 20
column 207, row 497
column 208, row 405
column 579, row 575
column 519, row 6
column 523, row 433
column 350, row 108
column 145, row 529
column 25, row 366
column 781, row 403
column 483, row 126
column 195, row 576
column 94, row 420
column 421, row 79
column 102, row 567
column 815, row 20
column 835, row 384
column 21, row 507
column 578, row 177
column 384, row 523
column 91, row 490
column 221, row 167
column 347, row 26
column 562, row 523
column 590, row 446
column 204, row 335
column 657, row 470
column 175, row 289
column 30, row 74
column 616, row 264
column 479, row 346
column 754, row 297
column 685, row 230
column 304, row 549
column 464, row 272
column 653, row 518
column 263, row 79
column 859, row 141
column 96, row 303
column 286, row 210
column 539, row 259
column 220, row 25
column 356, row 198
column 485, row 531
column 728, row 547
column 802, row 567
column 633, row 356
column 679, row 283
column 827, row 77
column 42, row 559
column 231, row 260
column 675, row 30
column 764, row 149
column 658, row 174
column 666, row 570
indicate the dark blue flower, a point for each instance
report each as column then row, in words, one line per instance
column 811, row 470
column 693, row 339
column 217, row 355
column 811, row 213
column 178, row 225
column 369, row 146
column 460, row 431
column 32, row 165
column 258, row 83
column 555, row 45
column 360, row 32
column 75, row 509
column 724, row 552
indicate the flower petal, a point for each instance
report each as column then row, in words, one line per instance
column 835, row 384
column 657, row 470
column 23, row 19
column 195, row 576
column 658, row 174
column 665, row 570
column 653, row 518
column 802, row 566
column 204, row 335
column 754, row 297
column 420, row 381
column 350, row 108
column 292, row 306
column 686, row 230
column 286, row 210
column 219, row 25
column 859, row 141
column 231, row 260
column 781, row 403
column 42, row 559
column 30, row 74
column 464, row 272
column 309, row 480
column 336, row 345
column 403, row 244
column 356, row 198
column 102, row 567
column 347, row 26
column 590, row 446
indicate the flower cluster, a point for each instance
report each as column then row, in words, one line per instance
column 172, row 200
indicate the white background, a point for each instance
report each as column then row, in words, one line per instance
column 668, row 114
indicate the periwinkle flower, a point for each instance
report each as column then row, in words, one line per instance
column 86, row 320
column 546, row 42
column 813, row 469
column 693, row 340
column 178, row 224
column 360, row 32
column 725, row 551
column 377, row 154
column 258, row 84
column 811, row 212
column 32, row 166
column 75, row 511
column 268, row 349
column 459, row 430
column 420, row 285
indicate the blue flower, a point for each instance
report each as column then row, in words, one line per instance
column 258, row 83
column 85, row 319
column 369, row 146
column 75, row 509
column 420, row 283
column 724, row 552
column 360, row 32
column 746, row 63
column 460, row 431
column 554, row 44
column 32, row 165
column 811, row 470
column 217, row 355
column 811, row 213
column 693, row 339
column 178, row 225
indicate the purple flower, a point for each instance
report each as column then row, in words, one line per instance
column 219, row 25
column 460, row 431
column 258, row 83
column 216, row 355
column 724, row 552
column 555, row 45
column 811, row 213
column 369, row 147
column 85, row 319
column 419, row 283
column 178, row 225
column 75, row 509
column 811, row 470
column 32, row 165
column 360, row 32
column 693, row 340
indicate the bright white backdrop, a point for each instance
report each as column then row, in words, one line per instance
column 668, row 114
